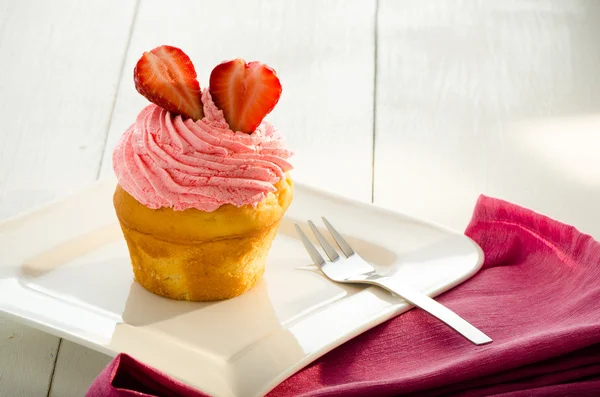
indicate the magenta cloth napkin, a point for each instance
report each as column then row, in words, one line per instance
column 537, row 296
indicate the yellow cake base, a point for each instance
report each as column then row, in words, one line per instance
column 201, row 256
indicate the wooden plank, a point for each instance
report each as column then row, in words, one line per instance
column 323, row 53
column 488, row 97
column 76, row 369
column 27, row 357
column 59, row 70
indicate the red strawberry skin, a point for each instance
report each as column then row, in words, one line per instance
column 166, row 77
column 245, row 92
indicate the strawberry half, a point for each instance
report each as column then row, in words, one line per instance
column 166, row 77
column 245, row 92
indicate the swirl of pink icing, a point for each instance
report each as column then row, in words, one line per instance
column 165, row 161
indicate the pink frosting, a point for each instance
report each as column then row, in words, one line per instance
column 165, row 161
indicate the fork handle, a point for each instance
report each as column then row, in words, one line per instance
column 434, row 308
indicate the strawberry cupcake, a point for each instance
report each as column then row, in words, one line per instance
column 203, row 180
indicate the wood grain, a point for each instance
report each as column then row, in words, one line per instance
column 59, row 69
column 499, row 98
column 27, row 357
column 76, row 369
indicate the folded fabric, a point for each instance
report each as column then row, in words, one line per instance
column 537, row 296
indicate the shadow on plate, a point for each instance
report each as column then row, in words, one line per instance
column 70, row 250
column 372, row 253
column 224, row 328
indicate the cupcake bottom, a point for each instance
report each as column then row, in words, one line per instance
column 207, row 271
column 201, row 256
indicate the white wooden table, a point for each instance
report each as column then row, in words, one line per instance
column 417, row 106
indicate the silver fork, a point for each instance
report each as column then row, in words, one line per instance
column 353, row 269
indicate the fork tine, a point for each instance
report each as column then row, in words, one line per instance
column 344, row 246
column 312, row 251
column 329, row 250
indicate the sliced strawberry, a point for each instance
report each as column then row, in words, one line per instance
column 166, row 77
column 245, row 92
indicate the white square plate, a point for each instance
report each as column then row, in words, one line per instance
column 64, row 268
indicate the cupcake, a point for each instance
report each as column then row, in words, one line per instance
column 203, row 180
